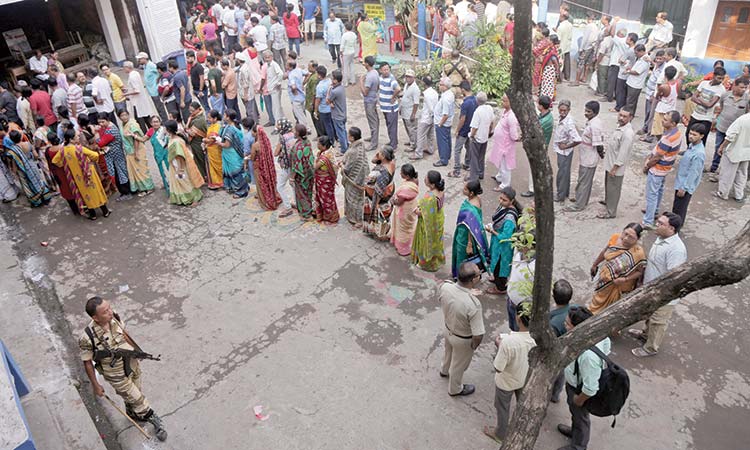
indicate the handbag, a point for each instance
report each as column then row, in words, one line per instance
column 380, row 228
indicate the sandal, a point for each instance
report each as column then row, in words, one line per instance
column 495, row 291
column 106, row 214
column 454, row 174
column 491, row 434
column 498, row 188
column 286, row 213
column 91, row 217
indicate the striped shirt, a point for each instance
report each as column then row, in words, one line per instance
column 667, row 149
column 75, row 100
column 388, row 87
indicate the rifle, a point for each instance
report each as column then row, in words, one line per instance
column 126, row 355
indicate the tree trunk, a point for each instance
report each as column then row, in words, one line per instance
column 728, row 265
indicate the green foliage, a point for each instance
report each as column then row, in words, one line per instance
column 491, row 72
column 524, row 239
column 484, row 31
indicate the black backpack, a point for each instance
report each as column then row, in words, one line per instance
column 614, row 388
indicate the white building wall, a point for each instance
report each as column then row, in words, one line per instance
column 161, row 24
column 109, row 27
column 702, row 15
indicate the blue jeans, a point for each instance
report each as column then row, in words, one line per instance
column 325, row 119
column 443, row 138
column 654, row 193
column 717, row 157
column 217, row 102
column 339, row 127
column 203, row 99
column 294, row 42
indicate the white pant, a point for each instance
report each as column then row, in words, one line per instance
column 298, row 109
column 503, row 173
column 348, row 69
column 282, row 182
column 276, row 103
column 732, row 175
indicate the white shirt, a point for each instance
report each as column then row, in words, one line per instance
column 521, row 279
column 144, row 107
column 39, row 65
column 482, row 121
column 565, row 133
column 259, row 34
column 445, row 106
column 428, row 105
column 274, row 76
column 707, row 93
column 618, row 49
column 638, row 81
column 662, row 32
column 230, row 22
column 103, row 91
column 512, row 360
column 665, row 255
column 410, row 99
column 681, row 70
column 349, row 45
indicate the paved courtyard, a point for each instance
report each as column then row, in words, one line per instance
column 340, row 339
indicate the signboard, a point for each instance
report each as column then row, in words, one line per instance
column 17, row 43
column 374, row 10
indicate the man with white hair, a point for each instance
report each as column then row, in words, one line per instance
column 274, row 78
column 151, row 79
column 143, row 108
column 443, row 119
column 482, row 122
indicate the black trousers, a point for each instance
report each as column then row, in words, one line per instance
column 335, row 51
column 621, row 94
column 501, row 283
column 580, row 421
column 566, row 66
column 631, row 101
column 92, row 212
column 122, row 188
column 680, row 205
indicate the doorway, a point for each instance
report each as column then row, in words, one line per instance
column 730, row 31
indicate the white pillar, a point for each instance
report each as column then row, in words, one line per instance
column 109, row 27
column 699, row 26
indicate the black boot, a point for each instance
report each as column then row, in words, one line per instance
column 161, row 433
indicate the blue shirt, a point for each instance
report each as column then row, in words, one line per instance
column 690, row 168
column 239, row 16
column 295, row 78
column 180, row 79
column 468, row 107
column 386, row 89
column 321, row 91
column 310, row 8
column 247, row 142
column 151, row 78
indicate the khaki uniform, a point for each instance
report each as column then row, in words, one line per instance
column 463, row 319
column 129, row 388
column 457, row 71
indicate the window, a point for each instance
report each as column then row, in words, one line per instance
column 726, row 15
column 743, row 17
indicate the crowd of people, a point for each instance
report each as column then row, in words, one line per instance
column 86, row 135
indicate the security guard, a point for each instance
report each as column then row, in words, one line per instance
column 106, row 332
column 457, row 71
column 464, row 327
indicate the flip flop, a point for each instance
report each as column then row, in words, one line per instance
column 491, row 434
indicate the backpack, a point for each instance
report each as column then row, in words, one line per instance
column 614, row 388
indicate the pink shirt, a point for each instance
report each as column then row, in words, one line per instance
column 209, row 31
column 292, row 26
column 507, row 133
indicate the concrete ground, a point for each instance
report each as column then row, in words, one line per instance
column 340, row 340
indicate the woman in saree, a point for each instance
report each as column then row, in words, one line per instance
column 264, row 170
column 133, row 141
column 504, row 222
column 159, row 139
column 197, row 129
column 368, row 34
column 618, row 268
column 88, row 139
column 469, row 241
column 213, row 150
column 437, row 30
column 66, row 192
column 379, row 189
column 184, row 178
column 546, row 65
column 353, row 172
column 427, row 250
column 326, row 209
column 450, row 30
column 404, row 216
column 302, row 161
column 79, row 165
column 26, row 170
column 232, row 156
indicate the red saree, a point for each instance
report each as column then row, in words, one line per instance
column 326, row 209
column 264, row 172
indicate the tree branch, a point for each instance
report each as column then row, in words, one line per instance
column 522, row 103
column 727, row 265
